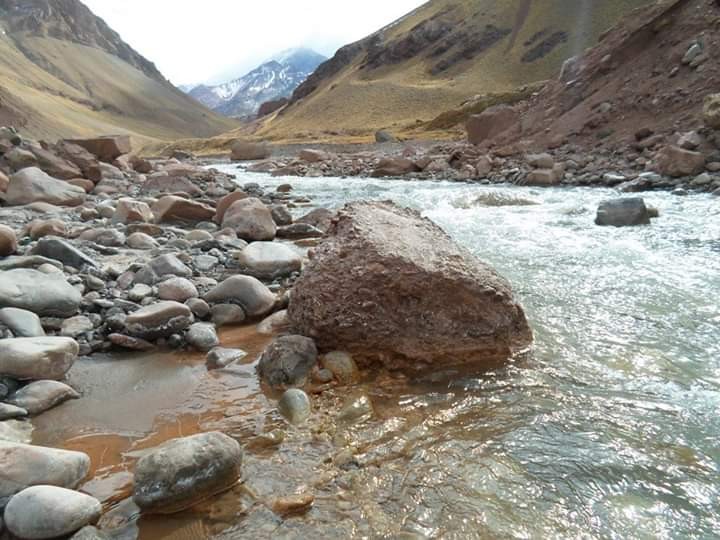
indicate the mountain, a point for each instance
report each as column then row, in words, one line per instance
column 439, row 56
column 272, row 80
column 65, row 72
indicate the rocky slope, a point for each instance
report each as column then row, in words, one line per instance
column 272, row 80
column 437, row 57
column 64, row 72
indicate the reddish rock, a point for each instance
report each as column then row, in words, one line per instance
column 76, row 154
column 176, row 209
column 491, row 123
column 313, row 156
column 41, row 228
column 163, row 183
column 250, row 219
column 83, row 183
column 33, row 185
column 390, row 285
column 132, row 211
column 394, row 166
column 141, row 165
column 674, row 161
column 106, row 148
column 249, row 151
column 226, row 202
column 8, row 241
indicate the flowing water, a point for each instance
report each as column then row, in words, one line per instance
column 609, row 430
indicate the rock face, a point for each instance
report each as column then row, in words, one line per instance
column 623, row 213
column 388, row 284
column 675, row 161
column 249, row 151
column 251, row 219
column 287, row 361
column 23, row 465
column 106, row 148
column 38, row 357
column 491, row 122
column 33, row 185
column 185, row 471
column 41, row 512
column 711, row 111
column 268, row 260
column 55, row 298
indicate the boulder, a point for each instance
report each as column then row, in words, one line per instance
column 159, row 320
column 314, row 156
column 45, row 512
column 202, row 337
column 623, row 213
column 388, row 284
column 491, row 123
column 675, row 161
column 384, row 136
column 227, row 314
column 288, row 361
column 172, row 209
column 163, row 183
column 76, row 154
column 183, row 472
column 8, row 241
column 226, row 202
column 107, row 148
column 164, row 265
column 21, row 322
column 63, row 251
column 56, row 166
column 394, row 166
column 320, row 218
column 251, row 219
column 249, row 151
column 19, row 159
column 4, row 182
column 33, row 185
column 177, row 289
column 251, row 295
column 37, row 358
column 40, row 396
column 43, row 294
column 23, row 465
column 544, row 177
column 711, row 111
column 219, row 357
column 131, row 211
column 295, row 406
column 268, row 260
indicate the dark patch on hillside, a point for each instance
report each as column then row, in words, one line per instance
column 545, row 47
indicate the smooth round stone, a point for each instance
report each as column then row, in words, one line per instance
column 220, row 357
column 140, row 292
column 227, row 314
column 199, row 307
column 141, row 241
column 37, row 357
column 342, row 365
column 159, row 320
column 47, row 295
column 295, row 406
column 8, row 241
column 269, row 260
column 177, row 289
column 39, row 396
column 76, row 326
column 9, row 412
column 197, row 236
column 274, row 323
column 42, row 512
column 22, row 323
column 202, row 336
column 246, row 291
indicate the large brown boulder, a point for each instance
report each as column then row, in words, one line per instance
column 55, row 165
column 394, row 166
column 675, row 161
column 388, row 284
column 251, row 219
column 491, row 123
column 33, row 185
column 76, row 154
column 172, row 209
column 106, row 148
column 249, row 151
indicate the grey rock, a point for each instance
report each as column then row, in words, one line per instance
column 247, row 292
column 288, row 361
column 33, row 185
column 623, row 213
column 61, row 250
column 16, row 432
column 165, row 265
column 90, row 533
column 268, row 260
column 356, row 408
column 159, row 320
column 38, row 292
column 275, row 323
column 138, row 240
column 177, row 289
column 199, row 307
column 37, row 358
column 227, row 314
column 342, row 366
column 76, row 326
column 21, row 322
column 202, row 336
column 295, row 406
column 40, row 396
column 9, row 412
column 220, row 357
column 298, row 231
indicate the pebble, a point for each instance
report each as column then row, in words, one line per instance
column 295, row 406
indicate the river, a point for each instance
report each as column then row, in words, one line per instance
column 609, row 430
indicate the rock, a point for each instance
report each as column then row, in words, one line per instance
column 275, row 323
column 22, row 323
column 131, row 211
column 281, row 215
column 202, row 336
column 19, row 159
column 172, row 209
column 26, row 465
column 226, row 202
column 41, row 512
column 394, row 166
column 164, row 265
column 543, row 177
column 159, row 320
column 73, row 153
column 371, row 285
column 8, row 241
column 183, row 472
column 130, row 343
column 35, row 358
column 107, row 148
column 90, row 533
column 342, row 366
column 104, row 237
column 200, row 308
column 32, row 185
column 219, row 357
column 313, row 156
column 320, row 218
column 177, row 289
column 676, row 162
column 51, row 227
column 140, row 240
column 690, row 140
column 4, row 182
column 491, row 123
column 250, row 219
column 701, row 180
column 40, row 396
column 298, row 231
column 14, row 431
column 162, row 183
column 198, row 236
column 295, row 406
column 541, row 161
column 8, row 412
column 356, row 408
column 268, row 260
column 292, row 505
column 384, row 136
column 483, row 166
column 61, row 250
column 251, row 295
column 227, row 314
column 46, row 295
column 139, row 292
column 56, row 166
column 288, row 360
column 76, row 326
column 711, row 111
column 623, row 213
column 249, row 151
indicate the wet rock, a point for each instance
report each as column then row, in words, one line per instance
column 288, row 361
column 61, row 250
column 355, row 409
column 674, row 161
column 491, row 123
column 8, row 412
column 16, row 432
column 295, row 406
column 268, row 260
column 138, row 240
column 41, row 512
column 250, row 219
column 275, row 323
column 76, row 326
column 32, row 185
column 342, row 366
column 220, row 357
column 40, row 396
column 623, row 213
column 249, row 151
column 131, row 211
column 202, row 336
column 711, row 111
column 26, row 465
column 394, row 166
column 183, row 472
column 227, row 315
column 371, row 284
column 251, row 295
column 8, row 241
column 22, row 323
column 177, row 289
column 36, row 358
column 159, row 320
column 55, row 297
column 130, row 343
column 172, row 209
column 106, row 148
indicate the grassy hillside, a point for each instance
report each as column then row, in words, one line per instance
column 54, row 85
column 439, row 56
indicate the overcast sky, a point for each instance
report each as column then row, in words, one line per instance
column 193, row 42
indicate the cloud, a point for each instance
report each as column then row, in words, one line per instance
column 193, row 42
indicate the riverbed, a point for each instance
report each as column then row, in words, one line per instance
column 609, row 430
